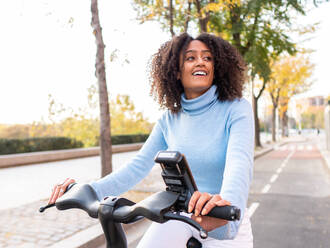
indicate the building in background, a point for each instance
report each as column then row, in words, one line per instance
column 308, row 112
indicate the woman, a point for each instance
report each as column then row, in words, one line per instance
column 200, row 82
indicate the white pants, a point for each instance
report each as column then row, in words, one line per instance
column 175, row 234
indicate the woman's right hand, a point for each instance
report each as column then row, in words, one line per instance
column 59, row 189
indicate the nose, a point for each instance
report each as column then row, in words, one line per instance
column 200, row 61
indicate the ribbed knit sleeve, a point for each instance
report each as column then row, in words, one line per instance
column 132, row 173
column 239, row 164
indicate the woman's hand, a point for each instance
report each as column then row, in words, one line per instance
column 59, row 189
column 201, row 204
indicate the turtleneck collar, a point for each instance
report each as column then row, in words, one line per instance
column 199, row 104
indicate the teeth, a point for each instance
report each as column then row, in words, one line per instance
column 202, row 73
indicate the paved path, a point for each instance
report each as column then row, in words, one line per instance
column 290, row 198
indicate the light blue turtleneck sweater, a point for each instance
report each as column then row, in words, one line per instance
column 217, row 139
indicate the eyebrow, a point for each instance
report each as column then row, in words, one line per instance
column 203, row 51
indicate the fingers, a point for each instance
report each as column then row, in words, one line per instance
column 203, row 203
column 205, row 197
column 59, row 189
column 222, row 202
column 216, row 201
column 66, row 183
column 211, row 204
column 197, row 201
column 193, row 201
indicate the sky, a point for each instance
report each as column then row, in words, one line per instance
column 47, row 47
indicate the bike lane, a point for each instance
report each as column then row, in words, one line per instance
column 290, row 198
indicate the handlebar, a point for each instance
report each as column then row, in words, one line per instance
column 159, row 207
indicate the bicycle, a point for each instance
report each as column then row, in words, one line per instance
column 159, row 207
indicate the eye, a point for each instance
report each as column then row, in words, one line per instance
column 208, row 58
column 190, row 58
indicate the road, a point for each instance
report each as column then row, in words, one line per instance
column 290, row 198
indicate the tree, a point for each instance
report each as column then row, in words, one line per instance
column 290, row 76
column 259, row 29
column 105, row 133
column 175, row 16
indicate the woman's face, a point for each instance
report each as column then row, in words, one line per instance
column 197, row 70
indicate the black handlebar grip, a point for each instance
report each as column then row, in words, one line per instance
column 226, row 213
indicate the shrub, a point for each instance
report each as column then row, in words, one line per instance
column 128, row 138
column 11, row 146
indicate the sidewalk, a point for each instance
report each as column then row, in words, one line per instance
column 25, row 227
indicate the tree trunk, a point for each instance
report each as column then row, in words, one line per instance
column 284, row 122
column 274, row 124
column 202, row 21
column 186, row 23
column 105, row 133
column 171, row 18
column 203, row 24
column 256, row 122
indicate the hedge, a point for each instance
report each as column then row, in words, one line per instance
column 128, row 139
column 11, row 146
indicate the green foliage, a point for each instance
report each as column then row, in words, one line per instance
column 259, row 29
column 11, row 146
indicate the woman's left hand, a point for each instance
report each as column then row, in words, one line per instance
column 201, row 204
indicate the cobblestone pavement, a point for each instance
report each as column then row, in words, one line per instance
column 25, row 227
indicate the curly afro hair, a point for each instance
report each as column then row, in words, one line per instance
column 229, row 70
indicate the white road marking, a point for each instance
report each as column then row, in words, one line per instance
column 273, row 179
column 253, row 208
column 278, row 171
column 266, row 189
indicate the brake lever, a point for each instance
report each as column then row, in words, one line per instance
column 171, row 216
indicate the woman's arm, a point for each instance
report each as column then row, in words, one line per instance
column 132, row 173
